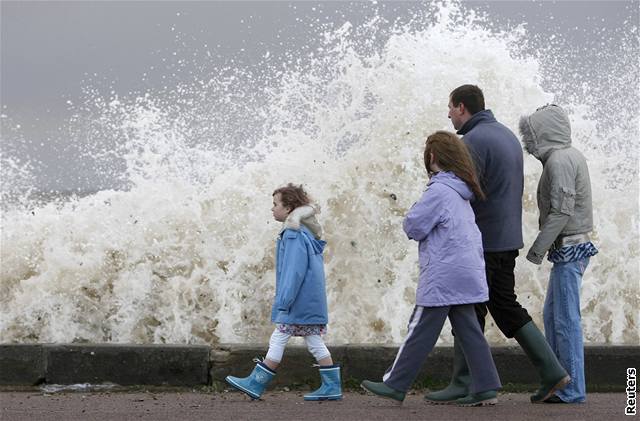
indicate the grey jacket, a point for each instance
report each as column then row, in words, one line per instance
column 564, row 189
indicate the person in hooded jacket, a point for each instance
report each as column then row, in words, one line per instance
column 498, row 159
column 452, row 275
column 300, row 304
column 566, row 219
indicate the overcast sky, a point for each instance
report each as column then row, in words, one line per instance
column 51, row 50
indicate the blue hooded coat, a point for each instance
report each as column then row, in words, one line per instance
column 300, row 282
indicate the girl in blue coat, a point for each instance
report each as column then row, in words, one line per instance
column 300, row 304
column 452, row 276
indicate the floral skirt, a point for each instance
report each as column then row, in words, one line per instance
column 301, row 330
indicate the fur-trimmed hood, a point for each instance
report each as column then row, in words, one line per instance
column 304, row 215
column 546, row 130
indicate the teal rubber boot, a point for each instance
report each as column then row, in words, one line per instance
column 489, row 397
column 383, row 391
column 255, row 384
column 460, row 380
column 552, row 375
column 331, row 388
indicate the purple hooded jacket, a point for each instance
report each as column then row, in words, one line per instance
column 450, row 244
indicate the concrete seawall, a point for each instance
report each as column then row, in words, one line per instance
column 198, row 365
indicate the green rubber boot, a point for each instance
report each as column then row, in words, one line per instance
column 383, row 391
column 460, row 380
column 489, row 397
column 552, row 375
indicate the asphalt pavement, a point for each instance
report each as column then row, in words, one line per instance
column 286, row 405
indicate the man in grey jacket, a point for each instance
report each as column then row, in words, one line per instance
column 566, row 218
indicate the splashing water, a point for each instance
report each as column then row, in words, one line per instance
column 184, row 252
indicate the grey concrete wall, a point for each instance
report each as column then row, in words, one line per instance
column 187, row 365
column 173, row 365
column 163, row 365
column 22, row 364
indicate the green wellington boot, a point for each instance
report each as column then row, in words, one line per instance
column 383, row 390
column 460, row 380
column 552, row 375
column 489, row 397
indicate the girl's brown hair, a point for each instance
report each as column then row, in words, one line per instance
column 293, row 196
column 451, row 154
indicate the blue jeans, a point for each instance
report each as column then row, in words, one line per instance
column 562, row 325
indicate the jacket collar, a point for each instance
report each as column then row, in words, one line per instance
column 481, row 116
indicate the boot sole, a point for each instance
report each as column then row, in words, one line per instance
column 242, row 389
column 397, row 402
column 432, row 402
column 486, row 402
column 323, row 398
column 450, row 401
column 560, row 385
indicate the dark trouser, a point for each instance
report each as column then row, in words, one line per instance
column 503, row 304
column 425, row 326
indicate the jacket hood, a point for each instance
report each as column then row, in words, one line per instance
column 312, row 224
column 304, row 219
column 316, row 243
column 448, row 178
column 546, row 130
column 304, row 215
column 485, row 116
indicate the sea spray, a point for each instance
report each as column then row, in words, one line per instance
column 184, row 252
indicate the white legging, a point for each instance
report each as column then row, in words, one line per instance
column 279, row 340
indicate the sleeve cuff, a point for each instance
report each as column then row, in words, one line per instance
column 534, row 258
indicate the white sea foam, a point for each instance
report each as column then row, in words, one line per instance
column 184, row 254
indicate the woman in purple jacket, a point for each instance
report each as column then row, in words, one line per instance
column 452, row 275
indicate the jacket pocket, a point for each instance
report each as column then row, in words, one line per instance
column 423, row 254
column 567, row 201
column 464, row 247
